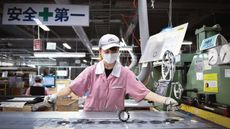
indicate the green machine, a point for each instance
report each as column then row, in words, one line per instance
column 200, row 79
column 208, row 77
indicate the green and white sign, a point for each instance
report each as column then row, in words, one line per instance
column 48, row 14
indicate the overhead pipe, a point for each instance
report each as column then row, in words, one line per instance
column 83, row 37
column 144, row 36
column 131, row 27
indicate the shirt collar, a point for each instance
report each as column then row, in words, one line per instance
column 101, row 69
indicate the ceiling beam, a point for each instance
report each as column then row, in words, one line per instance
column 193, row 6
column 31, row 39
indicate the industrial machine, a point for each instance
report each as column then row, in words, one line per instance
column 208, row 84
column 208, row 72
column 199, row 81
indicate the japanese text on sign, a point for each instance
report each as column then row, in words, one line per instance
column 48, row 14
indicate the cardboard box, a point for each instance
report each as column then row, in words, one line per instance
column 68, row 107
column 67, row 104
column 52, row 90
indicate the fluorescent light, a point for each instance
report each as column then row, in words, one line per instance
column 95, row 48
column 39, row 23
column 33, row 66
column 187, row 43
column 85, row 61
column 59, row 54
column 6, row 64
column 123, row 48
column 95, row 58
column 126, row 48
column 66, row 45
column 44, row 27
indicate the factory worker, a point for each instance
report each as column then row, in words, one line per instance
column 37, row 88
column 107, row 82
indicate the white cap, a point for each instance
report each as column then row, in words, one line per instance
column 108, row 41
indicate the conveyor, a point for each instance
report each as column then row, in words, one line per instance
column 101, row 120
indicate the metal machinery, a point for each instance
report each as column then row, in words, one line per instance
column 201, row 80
column 207, row 86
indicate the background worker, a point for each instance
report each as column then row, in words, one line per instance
column 37, row 88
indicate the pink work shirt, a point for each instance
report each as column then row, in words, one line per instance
column 107, row 94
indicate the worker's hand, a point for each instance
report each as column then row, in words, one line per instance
column 50, row 98
column 170, row 101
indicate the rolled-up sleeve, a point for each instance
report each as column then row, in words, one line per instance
column 135, row 88
column 80, row 84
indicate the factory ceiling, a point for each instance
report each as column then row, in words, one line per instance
column 115, row 16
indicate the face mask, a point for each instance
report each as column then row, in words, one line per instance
column 110, row 58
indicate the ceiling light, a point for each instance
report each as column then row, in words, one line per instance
column 85, row 61
column 66, row 45
column 44, row 27
column 39, row 23
column 126, row 48
column 187, row 43
column 123, row 48
column 33, row 66
column 6, row 64
column 59, row 54
column 95, row 48
column 95, row 58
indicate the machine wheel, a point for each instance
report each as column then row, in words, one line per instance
column 168, row 62
column 177, row 90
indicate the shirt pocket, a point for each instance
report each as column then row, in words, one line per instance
column 117, row 87
column 117, row 90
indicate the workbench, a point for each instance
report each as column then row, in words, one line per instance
column 101, row 120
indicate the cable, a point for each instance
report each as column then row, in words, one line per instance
column 134, row 4
column 170, row 13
